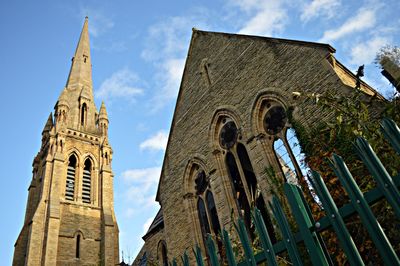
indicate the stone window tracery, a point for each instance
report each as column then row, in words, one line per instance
column 244, row 182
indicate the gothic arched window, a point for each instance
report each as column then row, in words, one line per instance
column 205, row 227
column 206, row 208
column 164, row 254
column 86, row 181
column 70, row 183
column 78, row 246
column 243, row 178
column 212, row 213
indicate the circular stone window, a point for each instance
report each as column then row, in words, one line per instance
column 228, row 135
column 275, row 120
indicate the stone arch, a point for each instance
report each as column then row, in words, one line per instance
column 92, row 158
column 162, row 253
column 77, row 153
column 194, row 163
column 265, row 100
column 225, row 112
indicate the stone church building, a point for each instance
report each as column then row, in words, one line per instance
column 69, row 217
column 231, row 124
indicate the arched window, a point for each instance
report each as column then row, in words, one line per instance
column 205, row 227
column 251, row 180
column 285, row 162
column 78, row 246
column 70, row 183
column 244, row 181
column 83, row 114
column 86, row 181
column 238, row 189
column 206, row 208
column 164, row 254
column 286, row 146
column 212, row 213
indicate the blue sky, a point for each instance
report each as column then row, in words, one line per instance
column 138, row 52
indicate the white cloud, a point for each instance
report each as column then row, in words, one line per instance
column 99, row 23
column 141, row 187
column 166, row 47
column 156, row 142
column 266, row 17
column 319, row 8
column 147, row 224
column 147, row 176
column 365, row 52
column 121, row 84
column 363, row 20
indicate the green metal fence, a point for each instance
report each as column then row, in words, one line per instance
column 388, row 188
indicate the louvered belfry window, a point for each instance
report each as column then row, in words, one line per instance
column 86, row 181
column 70, row 184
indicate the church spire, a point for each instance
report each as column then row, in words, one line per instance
column 80, row 74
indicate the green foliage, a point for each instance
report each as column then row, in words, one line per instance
column 351, row 116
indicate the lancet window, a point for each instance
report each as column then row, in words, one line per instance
column 243, row 178
column 286, row 144
column 163, row 253
column 83, row 114
column 86, row 181
column 70, row 182
column 207, row 211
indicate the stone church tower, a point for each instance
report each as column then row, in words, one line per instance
column 70, row 216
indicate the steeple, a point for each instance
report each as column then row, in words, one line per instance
column 75, row 107
column 81, row 68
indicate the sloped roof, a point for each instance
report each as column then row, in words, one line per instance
column 157, row 223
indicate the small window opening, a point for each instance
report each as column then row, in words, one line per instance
column 83, row 114
column 78, row 245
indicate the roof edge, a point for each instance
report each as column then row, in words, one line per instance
column 309, row 43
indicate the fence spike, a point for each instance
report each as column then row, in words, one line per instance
column 306, row 224
column 378, row 171
column 268, row 249
column 185, row 259
column 174, row 262
column 244, row 238
column 391, row 132
column 228, row 248
column 288, row 238
column 336, row 220
column 366, row 215
column 212, row 252
column 198, row 256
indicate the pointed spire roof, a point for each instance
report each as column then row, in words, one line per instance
column 81, row 68
column 63, row 99
column 103, row 111
column 49, row 123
